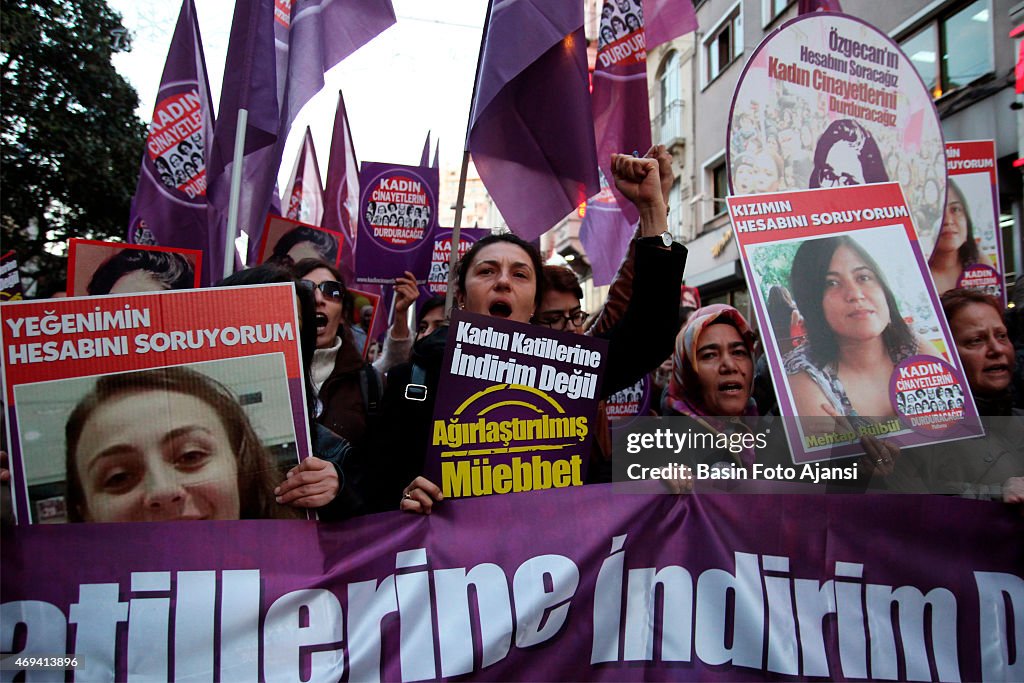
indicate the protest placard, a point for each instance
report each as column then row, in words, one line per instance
column 440, row 257
column 177, row 405
column 515, row 407
column 360, row 300
column 116, row 268
column 855, row 337
column 10, row 277
column 968, row 251
column 397, row 221
column 286, row 241
column 828, row 100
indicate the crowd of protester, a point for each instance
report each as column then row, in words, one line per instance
column 370, row 419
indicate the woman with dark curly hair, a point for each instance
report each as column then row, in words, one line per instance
column 162, row 445
column 142, row 270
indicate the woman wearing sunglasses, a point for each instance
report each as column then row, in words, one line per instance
column 338, row 372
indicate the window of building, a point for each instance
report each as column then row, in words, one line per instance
column 772, row 9
column 723, row 44
column 720, row 185
column 716, row 188
column 669, row 120
column 955, row 49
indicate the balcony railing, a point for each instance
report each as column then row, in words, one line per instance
column 668, row 124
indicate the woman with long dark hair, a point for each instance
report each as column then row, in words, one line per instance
column 855, row 332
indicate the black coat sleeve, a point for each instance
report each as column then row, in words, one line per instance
column 646, row 334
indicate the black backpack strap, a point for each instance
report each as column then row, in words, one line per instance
column 416, row 389
column 371, row 390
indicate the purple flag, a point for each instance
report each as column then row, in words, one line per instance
column 437, row 151
column 667, row 20
column 425, row 154
column 342, row 196
column 605, row 234
column 287, row 55
column 531, row 131
column 170, row 200
column 250, row 83
column 306, row 197
column 621, row 124
column 808, row 6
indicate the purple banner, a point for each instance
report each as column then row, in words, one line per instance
column 397, row 221
column 169, row 208
column 514, row 409
column 574, row 585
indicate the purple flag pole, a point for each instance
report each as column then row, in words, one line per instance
column 245, row 134
column 231, row 231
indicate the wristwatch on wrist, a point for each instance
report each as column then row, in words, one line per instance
column 662, row 240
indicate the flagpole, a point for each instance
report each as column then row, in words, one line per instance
column 236, row 191
column 457, row 227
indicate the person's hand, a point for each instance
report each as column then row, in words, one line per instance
column 879, row 456
column 5, row 473
column 664, row 159
column 419, row 496
column 1013, row 491
column 312, row 483
column 639, row 180
column 406, row 292
column 681, row 485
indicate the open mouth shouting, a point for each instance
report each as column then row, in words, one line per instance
column 500, row 309
column 321, row 323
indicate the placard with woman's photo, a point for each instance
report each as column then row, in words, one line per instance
column 167, row 406
column 968, row 250
column 850, row 320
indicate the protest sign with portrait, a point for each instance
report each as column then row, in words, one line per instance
column 856, row 340
column 968, row 251
column 362, row 298
column 515, row 407
column 116, row 268
column 153, row 407
column 827, row 100
column 286, row 242
column 397, row 221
